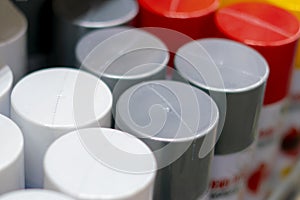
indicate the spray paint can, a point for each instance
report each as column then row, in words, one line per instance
column 225, row 3
column 73, row 19
column 188, row 20
column 49, row 103
column 11, row 156
column 235, row 76
column 256, row 25
column 289, row 156
column 191, row 18
column 178, row 122
column 100, row 163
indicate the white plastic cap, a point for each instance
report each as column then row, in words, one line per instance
column 34, row 195
column 49, row 98
column 98, row 164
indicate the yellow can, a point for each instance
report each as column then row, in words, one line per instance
column 229, row 2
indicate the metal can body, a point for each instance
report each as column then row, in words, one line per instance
column 235, row 76
column 181, row 132
column 276, row 40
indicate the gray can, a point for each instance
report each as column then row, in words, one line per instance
column 179, row 123
column 122, row 57
column 74, row 18
column 235, row 76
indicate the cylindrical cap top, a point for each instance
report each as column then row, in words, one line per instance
column 122, row 53
column 11, row 142
column 221, row 65
column 98, row 163
column 34, row 195
column 167, row 111
column 188, row 20
column 96, row 13
column 62, row 98
column 179, row 8
column 258, row 24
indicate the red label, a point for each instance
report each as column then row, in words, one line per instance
column 226, row 182
column 266, row 133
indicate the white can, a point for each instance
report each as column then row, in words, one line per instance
column 11, row 156
column 51, row 102
column 99, row 163
column 34, row 194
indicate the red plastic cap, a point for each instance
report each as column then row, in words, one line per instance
column 180, row 9
column 193, row 18
column 272, row 31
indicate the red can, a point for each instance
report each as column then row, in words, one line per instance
column 183, row 21
column 193, row 18
column 272, row 31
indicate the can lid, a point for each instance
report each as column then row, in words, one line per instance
column 96, row 13
column 180, row 8
column 31, row 194
column 99, row 163
column 122, row 53
column 11, row 142
column 221, row 65
column 258, row 24
column 61, row 98
column 166, row 111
